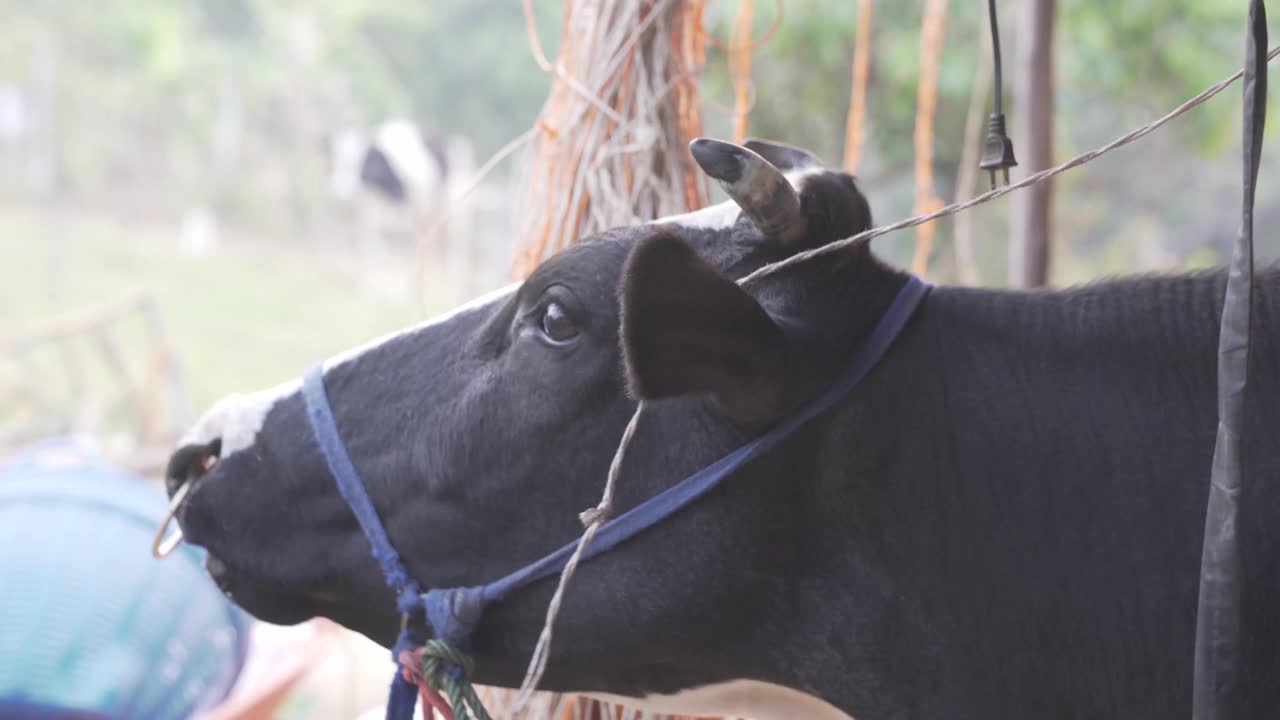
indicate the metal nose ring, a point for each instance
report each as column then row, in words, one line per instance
column 165, row 543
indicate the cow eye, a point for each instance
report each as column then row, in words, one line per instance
column 557, row 326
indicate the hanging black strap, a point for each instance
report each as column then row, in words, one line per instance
column 1219, row 675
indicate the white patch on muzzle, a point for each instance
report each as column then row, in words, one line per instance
column 236, row 419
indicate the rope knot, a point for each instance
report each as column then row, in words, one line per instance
column 442, row 671
column 454, row 613
column 596, row 515
column 438, row 655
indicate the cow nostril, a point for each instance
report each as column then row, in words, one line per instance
column 191, row 462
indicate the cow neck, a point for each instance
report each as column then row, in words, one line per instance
column 452, row 614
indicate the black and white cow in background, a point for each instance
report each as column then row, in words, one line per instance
column 1003, row 521
column 402, row 178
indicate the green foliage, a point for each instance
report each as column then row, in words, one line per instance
column 141, row 88
column 1118, row 65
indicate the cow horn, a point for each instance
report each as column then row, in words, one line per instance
column 759, row 188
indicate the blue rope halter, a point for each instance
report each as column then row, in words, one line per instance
column 454, row 613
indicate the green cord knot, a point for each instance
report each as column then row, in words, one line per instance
column 447, row 670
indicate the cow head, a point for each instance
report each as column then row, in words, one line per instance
column 481, row 434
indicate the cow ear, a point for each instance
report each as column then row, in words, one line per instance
column 688, row 329
column 783, row 156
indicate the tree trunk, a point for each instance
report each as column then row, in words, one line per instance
column 1029, row 238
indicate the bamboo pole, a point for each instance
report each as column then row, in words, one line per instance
column 931, row 38
column 740, row 68
column 855, row 120
column 967, row 177
column 1030, row 230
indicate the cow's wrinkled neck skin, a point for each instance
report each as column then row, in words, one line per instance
column 1038, row 499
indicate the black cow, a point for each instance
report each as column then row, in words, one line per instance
column 1003, row 521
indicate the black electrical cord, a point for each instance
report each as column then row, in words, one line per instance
column 997, row 103
column 997, row 149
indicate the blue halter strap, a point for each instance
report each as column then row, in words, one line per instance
column 453, row 613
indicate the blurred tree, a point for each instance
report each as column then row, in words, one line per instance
column 1031, row 232
column 1116, row 66
column 162, row 104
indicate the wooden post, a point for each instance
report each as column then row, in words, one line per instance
column 855, row 121
column 740, row 68
column 1029, row 231
column 967, row 176
column 931, row 37
column 43, row 160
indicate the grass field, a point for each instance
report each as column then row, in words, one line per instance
column 251, row 315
